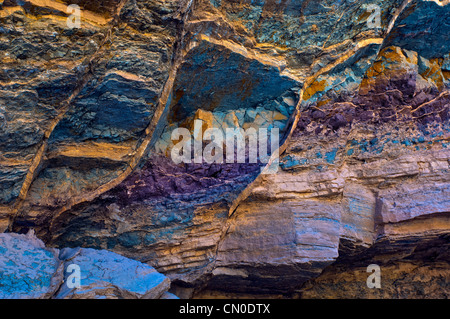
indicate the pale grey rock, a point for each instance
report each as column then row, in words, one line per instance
column 28, row 270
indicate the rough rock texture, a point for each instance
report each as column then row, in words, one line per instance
column 29, row 270
column 109, row 275
column 364, row 115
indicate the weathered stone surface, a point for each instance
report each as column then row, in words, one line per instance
column 109, row 275
column 363, row 110
column 43, row 64
column 28, row 269
column 258, row 255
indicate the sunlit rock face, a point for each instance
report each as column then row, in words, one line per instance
column 358, row 90
column 29, row 270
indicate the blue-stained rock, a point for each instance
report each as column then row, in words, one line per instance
column 28, row 270
column 108, row 275
column 168, row 295
column 86, row 117
column 117, row 109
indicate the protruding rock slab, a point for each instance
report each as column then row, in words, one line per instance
column 106, row 274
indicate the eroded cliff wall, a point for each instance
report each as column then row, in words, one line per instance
column 358, row 89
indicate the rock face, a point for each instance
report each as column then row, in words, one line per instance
column 30, row 270
column 359, row 91
column 108, row 275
